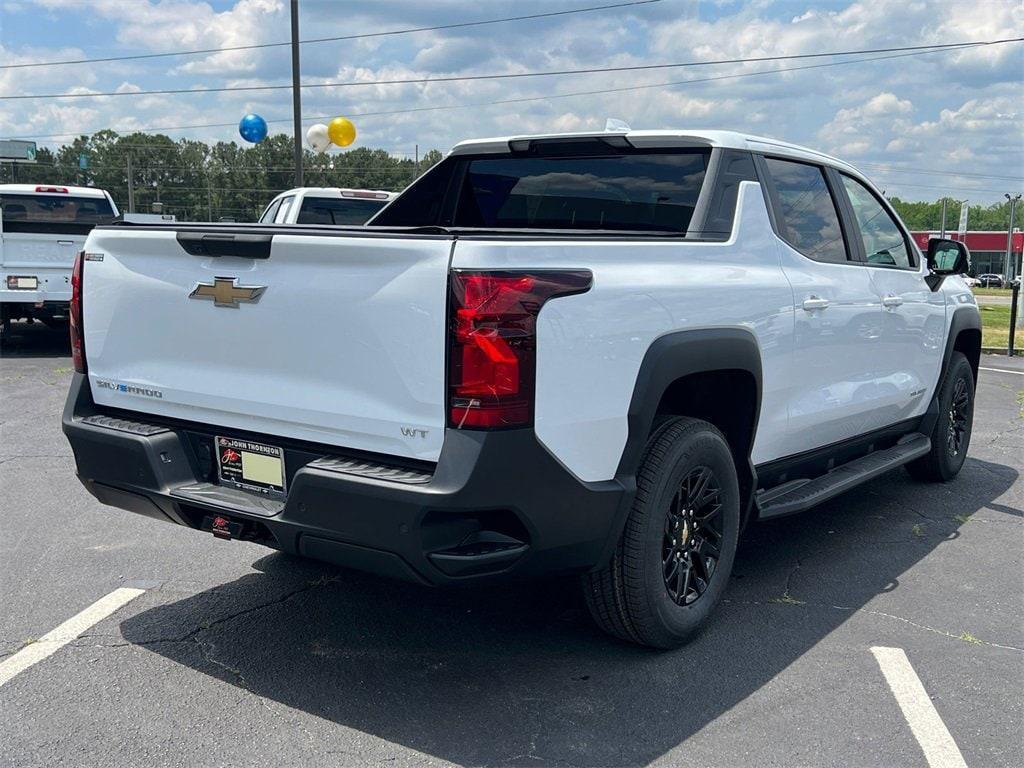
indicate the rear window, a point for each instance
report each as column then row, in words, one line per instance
column 59, row 214
column 325, row 210
column 642, row 191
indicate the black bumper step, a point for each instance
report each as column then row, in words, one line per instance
column 372, row 470
column 799, row 495
column 125, row 425
column 228, row 499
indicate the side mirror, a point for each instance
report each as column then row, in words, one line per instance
column 948, row 257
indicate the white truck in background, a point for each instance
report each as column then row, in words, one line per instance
column 326, row 205
column 42, row 227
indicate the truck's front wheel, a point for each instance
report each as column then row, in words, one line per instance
column 673, row 560
column 951, row 435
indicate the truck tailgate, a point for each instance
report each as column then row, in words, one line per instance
column 345, row 344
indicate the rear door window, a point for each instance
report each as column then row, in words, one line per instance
column 634, row 191
column 808, row 218
column 57, row 214
column 326, row 210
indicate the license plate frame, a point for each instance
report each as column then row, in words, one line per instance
column 249, row 466
column 22, row 283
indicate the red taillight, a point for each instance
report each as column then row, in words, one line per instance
column 75, row 321
column 493, row 344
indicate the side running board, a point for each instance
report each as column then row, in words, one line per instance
column 799, row 495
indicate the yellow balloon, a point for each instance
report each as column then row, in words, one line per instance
column 341, row 131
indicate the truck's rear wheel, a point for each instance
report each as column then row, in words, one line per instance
column 951, row 436
column 675, row 555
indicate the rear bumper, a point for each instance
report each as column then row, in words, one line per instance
column 496, row 504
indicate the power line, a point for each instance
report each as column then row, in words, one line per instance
column 513, row 75
column 883, row 168
column 203, row 51
column 518, row 100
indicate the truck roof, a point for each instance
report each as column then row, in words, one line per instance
column 379, row 194
column 55, row 189
column 663, row 138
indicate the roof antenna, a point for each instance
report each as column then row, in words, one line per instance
column 614, row 125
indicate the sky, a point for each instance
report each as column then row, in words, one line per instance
column 947, row 123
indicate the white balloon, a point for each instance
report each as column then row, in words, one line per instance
column 317, row 138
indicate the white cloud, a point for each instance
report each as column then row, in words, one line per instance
column 959, row 108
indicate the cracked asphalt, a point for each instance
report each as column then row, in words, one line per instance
column 236, row 655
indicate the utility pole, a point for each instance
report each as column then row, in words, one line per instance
column 942, row 234
column 417, row 162
column 131, row 186
column 296, row 94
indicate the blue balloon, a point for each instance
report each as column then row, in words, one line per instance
column 253, row 128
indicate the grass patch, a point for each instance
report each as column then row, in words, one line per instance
column 979, row 291
column 967, row 637
column 995, row 325
column 917, row 530
column 962, row 518
column 63, row 370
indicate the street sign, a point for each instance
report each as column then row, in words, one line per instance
column 83, row 161
column 17, row 151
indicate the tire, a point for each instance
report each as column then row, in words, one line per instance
column 951, row 436
column 650, row 592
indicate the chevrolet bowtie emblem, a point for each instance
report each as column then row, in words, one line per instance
column 225, row 293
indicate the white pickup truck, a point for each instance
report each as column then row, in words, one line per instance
column 600, row 354
column 42, row 227
column 325, row 205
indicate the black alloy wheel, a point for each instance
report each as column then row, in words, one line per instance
column 959, row 413
column 692, row 542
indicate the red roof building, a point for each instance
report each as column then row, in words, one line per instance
column 988, row 250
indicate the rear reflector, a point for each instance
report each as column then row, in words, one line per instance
column 492, row 343
column 75, row 321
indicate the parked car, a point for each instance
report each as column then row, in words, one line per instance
column 325, row 205
column 42, row 227
column 600, row 354
column 971, row 282
column 990, row 281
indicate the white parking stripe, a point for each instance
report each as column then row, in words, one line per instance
column 56, row 639
column 1000, row 370
column 931, row 733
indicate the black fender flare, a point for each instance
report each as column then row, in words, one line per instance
column 965, row 318
column 671, row 357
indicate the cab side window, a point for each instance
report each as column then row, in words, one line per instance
column 282, row 214
column 806, row 211
column 884, row 241
column 270, row 213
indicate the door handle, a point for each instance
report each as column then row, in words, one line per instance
column 813, row 303
column 892, row 301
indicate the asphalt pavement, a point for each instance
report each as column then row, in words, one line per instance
column 235, row 655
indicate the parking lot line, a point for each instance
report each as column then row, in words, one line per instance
column 57, row 638
column 1000, row 370
column 931, row 733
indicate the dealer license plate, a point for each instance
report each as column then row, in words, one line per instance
column 251, row 466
